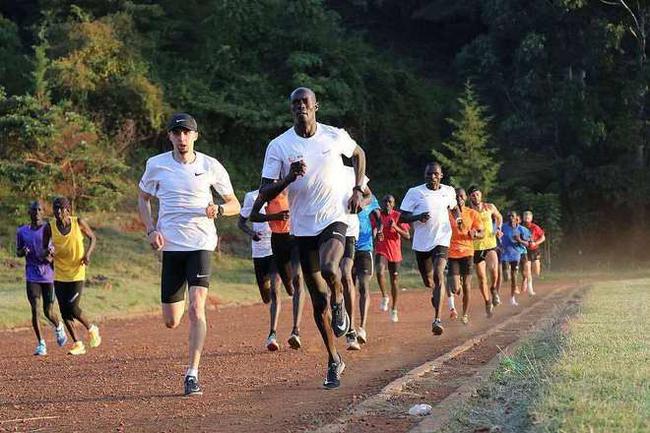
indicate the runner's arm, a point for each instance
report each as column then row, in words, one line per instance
column 88, row 232
column 405, row 233
column 241, row 223
column 539, row 241
column 155, row 238
column 270, row 188
column 47, row 237
column 498, row 218
column 258, row 217
column 21, row 249
column 409, row 217
column 377, row 227
column 359, row 164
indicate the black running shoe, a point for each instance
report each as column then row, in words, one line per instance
column 495, row 297
column 192, row 386
column 340, row 319
column 436, row 327
column 334, row 370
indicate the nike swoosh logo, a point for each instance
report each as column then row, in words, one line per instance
column 339, row 234
column 202, row 276
column 342, row 328
column 198, row 174
column 179, row 120
column 76, row 295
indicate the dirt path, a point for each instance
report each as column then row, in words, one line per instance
column 133, row 382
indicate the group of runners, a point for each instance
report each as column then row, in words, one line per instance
column 313, row 222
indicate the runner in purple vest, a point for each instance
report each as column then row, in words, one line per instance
column 39, row 275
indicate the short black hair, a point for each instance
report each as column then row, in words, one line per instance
column 472, row 189
column 61, row 202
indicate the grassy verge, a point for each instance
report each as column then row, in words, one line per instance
column 591, row 375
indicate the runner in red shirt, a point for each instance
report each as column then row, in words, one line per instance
column 388, row 250
column 537, row 237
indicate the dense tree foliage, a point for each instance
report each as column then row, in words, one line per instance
column 86, row 86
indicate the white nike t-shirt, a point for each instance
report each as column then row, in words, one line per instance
column 436, row 231
column 348, row 182
column 261, row 248
column 183, row 191
column 314, row 199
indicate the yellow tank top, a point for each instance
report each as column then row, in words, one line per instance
column 68, row 251
column 489, row 241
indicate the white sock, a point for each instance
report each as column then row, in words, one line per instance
column 93, row 328
column 452, row 304
column 192, row 372
column 42, row 342
column 530, row 285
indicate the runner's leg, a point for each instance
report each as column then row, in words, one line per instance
column 34, row 298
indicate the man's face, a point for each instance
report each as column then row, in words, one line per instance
column 303, row 107
column 513, row 218
column 476, row 197
column 432, row 175
column 183, row 139
column 528, row 218
column 461, row 198
column 35, row 212
column 60, row 211
column 388, row 203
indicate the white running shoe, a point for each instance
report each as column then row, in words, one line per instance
column 272, row 342
column 530, row 290
column 383, row 306
column 393, row 316
column 351, row 340
column 514, row 302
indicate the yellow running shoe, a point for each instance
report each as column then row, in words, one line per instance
column 78, row 348
column 95, row 338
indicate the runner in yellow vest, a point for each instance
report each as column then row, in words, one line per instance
column 70, row 261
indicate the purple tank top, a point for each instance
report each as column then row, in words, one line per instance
column 37, row 269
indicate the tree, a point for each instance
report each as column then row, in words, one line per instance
column 469, row 159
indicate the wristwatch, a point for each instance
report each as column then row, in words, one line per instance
column 358, row 188
column 219, row 210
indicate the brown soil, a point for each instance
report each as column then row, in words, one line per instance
column 133, row 382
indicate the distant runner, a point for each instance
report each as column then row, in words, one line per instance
column 307, row 159
column 537, row 238
column 39, row 276
column 461, row 254
column 363, row 261
column 426, row 207
column 182, row 180
column 388, row 250
column 70, row 261
column 266, row 273
column 514, row 242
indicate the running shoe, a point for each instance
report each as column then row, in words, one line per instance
column 489, row 308
column 351, row 340
column 514, row 302
column 41, row 349
column 272, row 342
column 495, row 298
column 192, row 386
column 453, row 314
column 61, row 337
column 383, row 305
column 436, row 327
column 95, row 339
column 393, row 316
column 334, row 370
column 294, row 340
column 340, row 319
column 78, row 348
column 465, row 319
column 361, row 336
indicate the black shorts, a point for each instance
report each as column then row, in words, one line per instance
column 285, row 249
column 68, row 292
column 38, row 290
column 309, row 246
column 350, row 246
column 481, row 255
column 265, row 268
column 533, row 255
column 181, row 268
column 426, row 259
column 460, row 266
column 363, row 265
column 393, row 267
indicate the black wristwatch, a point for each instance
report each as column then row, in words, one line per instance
column 219, row 210
column 358, row 188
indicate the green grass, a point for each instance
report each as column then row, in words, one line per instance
column 592, row 375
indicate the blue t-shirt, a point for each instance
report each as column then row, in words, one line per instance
column 37, row 269
column 512, row 250
column 364, row 243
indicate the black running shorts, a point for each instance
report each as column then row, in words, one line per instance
column 309, row 246
column 426, row 259
column 67, row 292
column 350, row 245
column 38, row 290
column 460, row 266
column 265, row 268
column 181, row 268
column 533, row 255
column 481, row 255
column 363, row 265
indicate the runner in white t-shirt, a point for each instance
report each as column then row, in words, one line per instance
column 426, row 207
column 182, row 180
column 307, row 159
column 266, row 271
